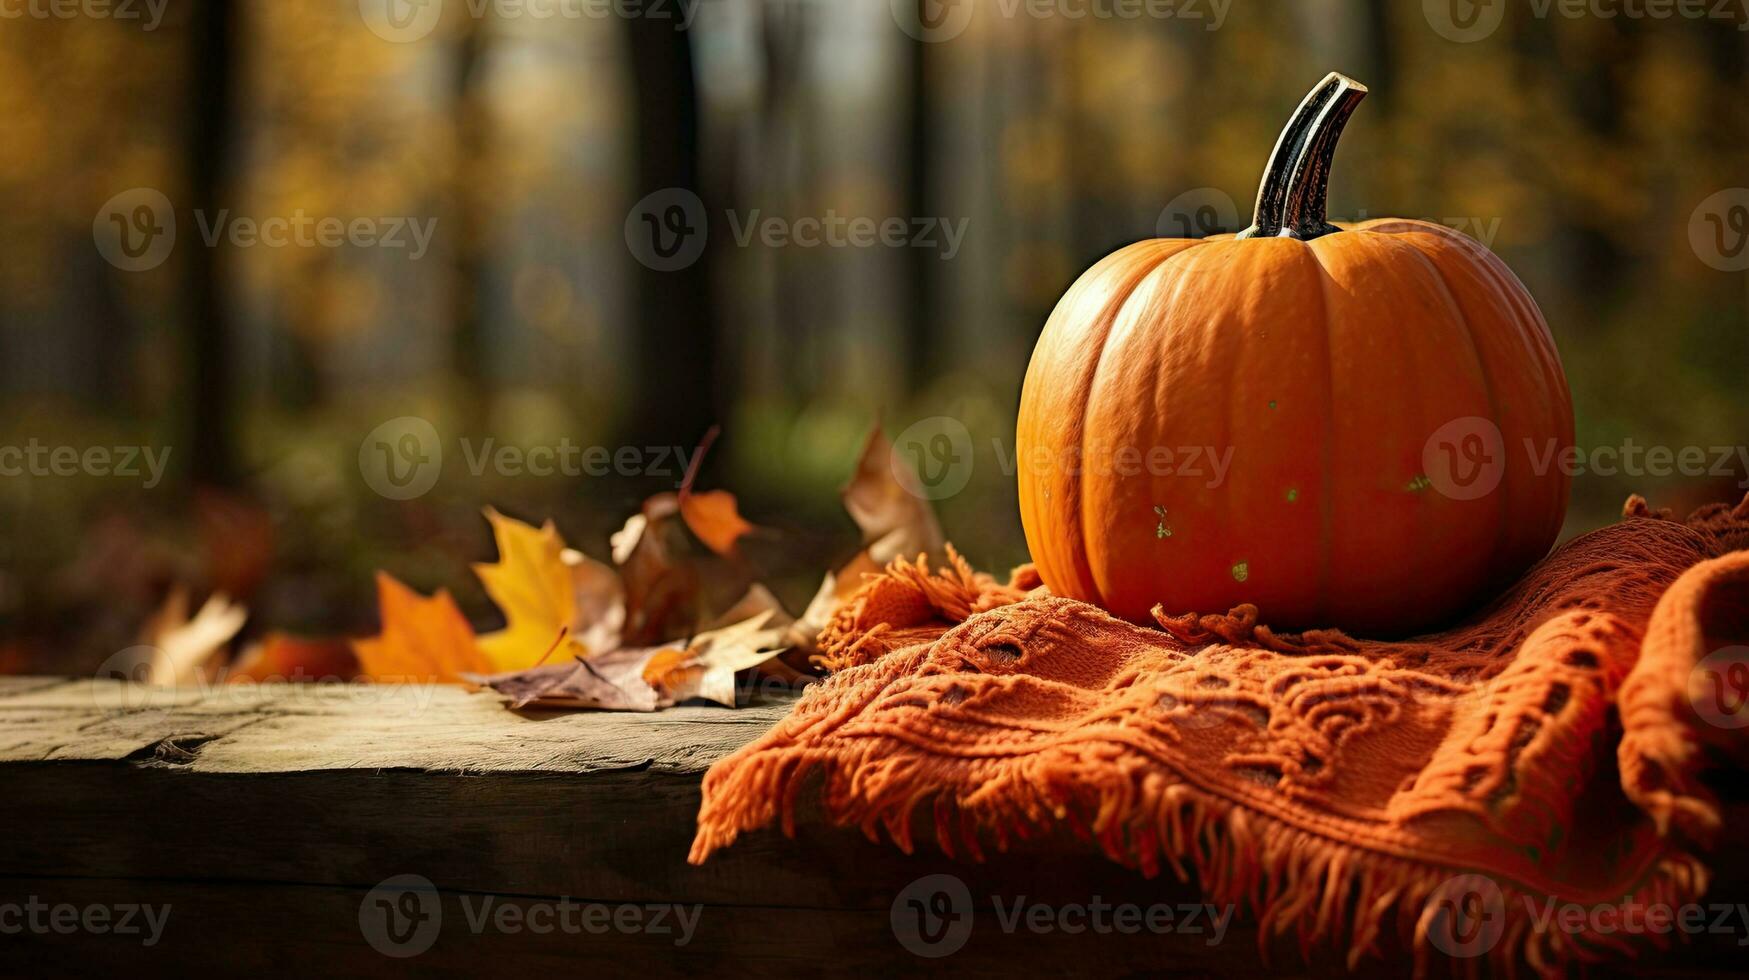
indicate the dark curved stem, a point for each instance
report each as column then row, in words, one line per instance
column 1290, row 200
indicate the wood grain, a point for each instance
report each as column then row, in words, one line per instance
column 266, row 817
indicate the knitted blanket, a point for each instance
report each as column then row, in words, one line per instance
column 1448, row 787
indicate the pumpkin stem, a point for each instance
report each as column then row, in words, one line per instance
column 1290, row 200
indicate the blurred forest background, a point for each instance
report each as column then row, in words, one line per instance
column 1579, row 146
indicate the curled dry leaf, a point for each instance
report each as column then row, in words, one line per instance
column 894, row 521
column 422, row 639
column 662, row 586
column 175, row 649
column 708, row 666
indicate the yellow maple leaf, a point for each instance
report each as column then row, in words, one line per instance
column 422, row 639
column 546, row 590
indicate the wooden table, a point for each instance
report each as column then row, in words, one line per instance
column 297, row 829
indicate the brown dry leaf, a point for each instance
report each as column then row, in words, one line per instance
column 612, row 681
column 662, row 587
column 894, row 520
column 544, row 590
column 178, row 650
column 283, row 657
column 422, row 639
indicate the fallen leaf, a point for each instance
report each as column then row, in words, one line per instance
column 612, row 681
column 175, row 649
column 543, row 589
column 707, row 668
column 662, row 587
column 282, row 657
column 894, row 522
column 422, row 639
column 900, row 522
column 713, row 516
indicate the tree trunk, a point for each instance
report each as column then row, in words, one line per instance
column 208, row 427
column 675, row 352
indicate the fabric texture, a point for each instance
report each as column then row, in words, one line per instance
column 1341, row 789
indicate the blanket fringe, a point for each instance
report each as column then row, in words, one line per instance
column 1295, row 884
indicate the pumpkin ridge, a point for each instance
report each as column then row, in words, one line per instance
column 1326, row 503
column 1122, row 302
column 1502, row 525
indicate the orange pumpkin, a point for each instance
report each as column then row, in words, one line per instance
column 1385, row 396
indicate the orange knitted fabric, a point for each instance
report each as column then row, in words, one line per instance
column 1338, row 787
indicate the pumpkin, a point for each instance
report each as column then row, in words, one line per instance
column 1385, row 396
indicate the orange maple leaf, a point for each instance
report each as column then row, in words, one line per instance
column 422, row 639
column 713, row 516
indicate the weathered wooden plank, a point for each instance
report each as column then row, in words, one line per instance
column 266, row 817
column 292, row 728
